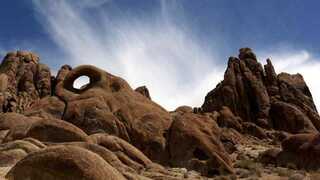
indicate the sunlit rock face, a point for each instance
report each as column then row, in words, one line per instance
column 259, row 95
column 57, row 128
column 121, row 127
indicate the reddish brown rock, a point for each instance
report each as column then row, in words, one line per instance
column 271, row 79
column 297, row 81
column 9, row 121
column 111, row 157
column 269, row 156
column 64, row 162
column 228, row 119
column 12, row 152
column 254, row 130
column 230, row 138
column 294, row 90
column 49, row 108
column 301, row 150
column 194, row 143
column 120, row 158
column 46, row 130
column 23, row 80
column 242, row 89
column 43, row 80
column 288, row 117
column 129, row 133
column 183, row 109
column 144, row 91
column 249, row 91
column 119, row 146
column 62, row 73
column 108, row 104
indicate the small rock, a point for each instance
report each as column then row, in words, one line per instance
column 296, row 176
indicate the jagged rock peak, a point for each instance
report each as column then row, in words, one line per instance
column 246, row 53
column 23, row 80
column 143, row 90
column 252, row 92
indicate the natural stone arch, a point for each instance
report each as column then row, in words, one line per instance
column 94, row 74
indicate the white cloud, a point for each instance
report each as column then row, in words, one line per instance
column 90, row 3
column 153, row 51
column 157, row 51
column 298, row 61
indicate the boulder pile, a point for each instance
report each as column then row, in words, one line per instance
column 107, row 130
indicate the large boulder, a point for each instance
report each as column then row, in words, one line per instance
column 194, row 143
column 114, row 159
column 120, row 147
column 63, row 162
column 124, row 157
column 9, row 121
column 12, row 152
column 45, row 130
column 109, row 105
column 300, row 150
column 50, row 107
column 293, row 90
column 287, row 117
column 227, row 119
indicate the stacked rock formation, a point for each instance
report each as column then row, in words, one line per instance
column 264, row 101
column 23, row 79
column 260, row 96
column 106, row 130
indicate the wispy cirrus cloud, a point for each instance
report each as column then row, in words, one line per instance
column 152, row 51
column 160, row 50
column 298, row 61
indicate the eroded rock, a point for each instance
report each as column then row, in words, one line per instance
column 63, row 162
column 109, row 105
column 143, row 90
column 46, row 130
column 257, row 95
column 195, row 144
column 23, row 80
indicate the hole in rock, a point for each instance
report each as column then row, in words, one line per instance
column 200, row 154
column 81, row 82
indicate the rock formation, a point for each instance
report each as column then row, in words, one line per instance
column 23, row 80
column 106, row 130
column 144, row 91
column 259, row 95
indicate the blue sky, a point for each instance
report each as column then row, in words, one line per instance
column 178, row 48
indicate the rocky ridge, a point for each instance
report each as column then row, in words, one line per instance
column 252, row 124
